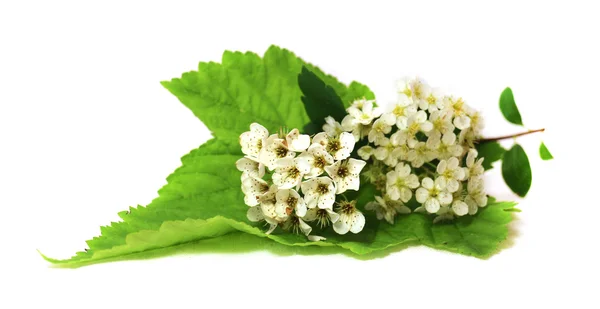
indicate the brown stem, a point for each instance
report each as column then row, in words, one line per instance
column 493, row 139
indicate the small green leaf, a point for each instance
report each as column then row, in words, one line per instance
column 516, row 170
column 545, row 153
column 320, row 101
column 509, row 107
column 491, row 152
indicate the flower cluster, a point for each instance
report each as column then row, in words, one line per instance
column 284, row 181
column 421, row 149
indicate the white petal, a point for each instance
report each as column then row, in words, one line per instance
column 255, row 214
column 441, row 168
column 321, row 138
column 358, row 222
column 388, row 119
column 460, row 208
column 310, row 215
column 449, row 139
column 365, row 152
column 444, row 198
column 422, row 195
column 427, row 183
column 432, row 205
column 316, row 238
column 412, row 181
column 351, row 183
column 462, row 122
column 333, row 216
column 441, row 183
column 302, row 164
column 341, row 227
column 355, row 166
column 301, row 208
column 405, row 194
column 471, row 156
column 305, row 228
column 403, row 170
column 426, row 126
column 420, row 117
column 452, row 185
column 381, row 153
column 452, row 163
column 297, row 142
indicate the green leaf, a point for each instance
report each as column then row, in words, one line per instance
column 491, row 152
column 320, row 101
column 245, row 88
column 516, row 170
column 479, row 236
column 509, row 107
column 545, row 153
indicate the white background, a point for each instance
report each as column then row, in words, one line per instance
column 86, row 130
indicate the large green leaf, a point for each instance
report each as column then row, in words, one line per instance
column 202, row 202
column 508, row 107
column 516, row 170
column 320, row 101
column 245, row 88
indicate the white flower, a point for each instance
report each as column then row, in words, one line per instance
column 267, row 204
column 253, row 141
column 413, row 90
column 288, row 201
column 401, row 148
column 255, row 214
column 273, row 150
column 460, row 208
column 385, row 208
column 345, row 174
column 381, row 126
column 473, row 169
column 459, row 109
column 442, row 122
column 414, row 124
column 267, row 207
column 433, row 194
column 385, row 152
column 445, row 148
column 402, row 110
column 432, row 100
column 319, row 192
column 296, row 225
column 351, row 219
column 324, row 217
column 332, row 127
column 296, row 141
column 476, row 196
column 349, row 124
column 289, row 172
column 317, row 158
column 470, row 135
column 250, row 168
column 365, row 152
column 316, row 238
column 420, row 154
column 363, row 111
column 340, row 147
column 253, row 189
column 452, row 173
column 400, row 183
